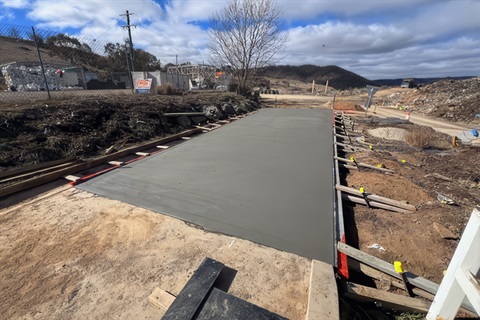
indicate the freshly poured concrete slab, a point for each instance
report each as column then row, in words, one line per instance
column 266, row 178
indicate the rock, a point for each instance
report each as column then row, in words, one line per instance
column 228, row 109
column 240, row 109
column 213, row 113
column 184, row 121
column 197, row 120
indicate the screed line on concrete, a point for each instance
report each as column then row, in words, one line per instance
column 267, row 178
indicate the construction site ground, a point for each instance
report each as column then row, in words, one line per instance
column 425, row 164
column 70, row 254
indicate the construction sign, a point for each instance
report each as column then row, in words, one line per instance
column 143, row 86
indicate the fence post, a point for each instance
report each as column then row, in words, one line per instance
column 41, row 62
column 459, row 281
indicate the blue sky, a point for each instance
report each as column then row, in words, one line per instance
column 374, row 38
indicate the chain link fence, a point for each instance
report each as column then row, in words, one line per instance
column 38, row 64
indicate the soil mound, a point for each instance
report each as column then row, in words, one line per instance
column 54, row 130
column 455, row 100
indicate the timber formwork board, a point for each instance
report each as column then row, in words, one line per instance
column 267, row 178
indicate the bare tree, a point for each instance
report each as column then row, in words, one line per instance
column 246, row 35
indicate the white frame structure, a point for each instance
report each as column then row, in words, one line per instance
column 460, row 280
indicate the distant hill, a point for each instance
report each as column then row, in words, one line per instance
column 337, row 77
column 422, row 81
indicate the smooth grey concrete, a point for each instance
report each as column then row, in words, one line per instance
column 267, row 178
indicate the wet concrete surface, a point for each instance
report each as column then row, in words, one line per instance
column 266, row 178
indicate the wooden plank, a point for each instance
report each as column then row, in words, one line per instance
column 444, row 232
column 374, row 197
column 162, row 147
column 186, row 138
column 161, row 299
column 387, row 268
column 72, row 178
column 143, row 154
column 374, row 204
column 16, row 171
column 36, row 172
column 115, row 163
column 30, row 183
column 361, row 164
column 388, row 300
column 342, row 145
column 223, row 306
column 195, row 291
column 323, row 293
column 188, row 114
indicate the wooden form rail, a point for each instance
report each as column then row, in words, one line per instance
column 22, row 170
column 33, row 182
column 37, row 172
column 388, row 268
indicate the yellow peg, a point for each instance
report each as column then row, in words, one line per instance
column 398, row 266
column 362, row 190
column 403, row 161
column 371, row 147
column 352, row 159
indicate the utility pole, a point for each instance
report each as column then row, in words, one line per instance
column 128, row 27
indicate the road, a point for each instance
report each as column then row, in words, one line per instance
column 450, row 128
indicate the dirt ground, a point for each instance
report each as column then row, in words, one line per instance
column 410, row 238
column 73, row 255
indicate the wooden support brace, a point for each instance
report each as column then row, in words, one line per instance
column 186, row 138
column 374, row 204
column 143, row 154
column 389, row 300
column 163, row 147
column 374, row 197
column 363, row 165
column 388, row 268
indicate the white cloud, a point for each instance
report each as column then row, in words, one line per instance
column 375, row 38
column 15, row 4
column 7, row 14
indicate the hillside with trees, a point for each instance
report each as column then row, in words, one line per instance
column 337, row 77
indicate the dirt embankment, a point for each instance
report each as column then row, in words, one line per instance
column 454, row 100
column 54, row 130
column 425, row 165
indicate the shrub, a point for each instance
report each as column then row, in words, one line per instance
column 167, row 89
column 422, row 137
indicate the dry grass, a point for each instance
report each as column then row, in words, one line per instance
column 167, row 89
column 423, row 137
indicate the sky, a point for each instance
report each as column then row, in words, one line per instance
column 377, row 39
